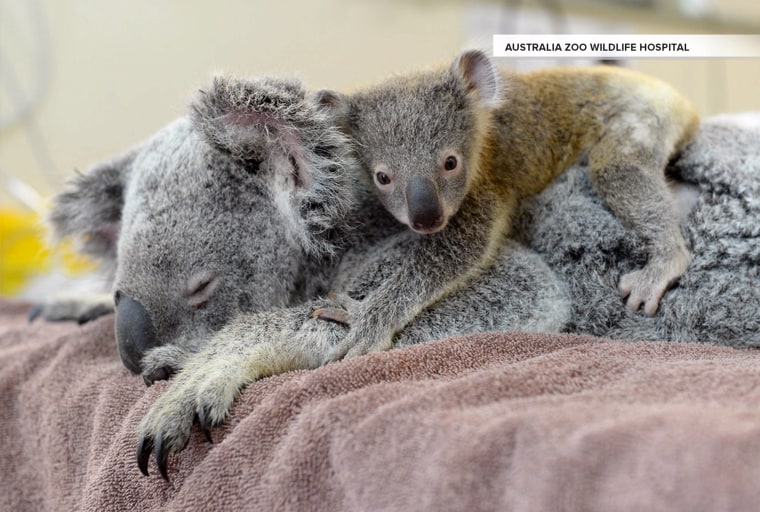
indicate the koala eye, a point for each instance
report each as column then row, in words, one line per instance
column 450, row 163
column 382, row 179
column 199, row 289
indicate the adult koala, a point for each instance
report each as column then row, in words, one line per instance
column 224, row 230
column 232, row 210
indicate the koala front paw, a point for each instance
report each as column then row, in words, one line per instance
column 162, row 362
column 81, row 309
column 205, row 392
column 647, row 286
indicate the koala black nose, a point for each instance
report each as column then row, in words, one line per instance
column 134, row 331
column 425, row 213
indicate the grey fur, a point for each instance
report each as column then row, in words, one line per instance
column 717, row 300
column 451, row 154
column 171, row 232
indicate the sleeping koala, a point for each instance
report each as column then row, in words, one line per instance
column 211, row 218
column 224, row 230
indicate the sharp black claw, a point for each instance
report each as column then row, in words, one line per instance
column 144, row 449
column 34, row 313
column 204, row 426
column 162, row 455
column 162, row 373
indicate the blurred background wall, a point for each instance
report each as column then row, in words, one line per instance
column 81, row 80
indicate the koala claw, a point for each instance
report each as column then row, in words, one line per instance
column 162, row 457
column 162, row 373
column 162, row 362
column 204, row 425
column 339, row 316
column 342, row 313
column 160, row 450
column 144, row 449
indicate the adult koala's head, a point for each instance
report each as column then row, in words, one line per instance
column 218, row 213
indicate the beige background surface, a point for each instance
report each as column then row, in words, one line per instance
column 119, row 70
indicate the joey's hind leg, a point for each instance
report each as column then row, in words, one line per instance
column 631, row 181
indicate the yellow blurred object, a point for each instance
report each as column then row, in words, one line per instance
column 24, row 253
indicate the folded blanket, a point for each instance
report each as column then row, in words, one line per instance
column 508, row 421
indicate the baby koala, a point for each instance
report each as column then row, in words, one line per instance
column 452, row 151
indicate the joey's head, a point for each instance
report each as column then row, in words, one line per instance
column 420, row 137
column 216, row 215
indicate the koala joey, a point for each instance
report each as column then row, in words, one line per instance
column 452, row 151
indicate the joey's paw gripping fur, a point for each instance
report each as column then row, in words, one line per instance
column 647, row 286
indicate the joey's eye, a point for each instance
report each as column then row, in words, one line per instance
column 382, row 178
column 450, row 163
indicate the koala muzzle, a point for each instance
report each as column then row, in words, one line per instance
column 135, row 334
column 425, row 212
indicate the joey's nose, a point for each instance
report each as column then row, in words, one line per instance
column 425, row 212
column 134, row 331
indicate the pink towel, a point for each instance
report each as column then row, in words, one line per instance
column 507, row 421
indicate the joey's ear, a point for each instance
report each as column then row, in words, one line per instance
column 247, row 118
column 479, row 74
column 338, row 107
column 333, row 102
column 90, row 209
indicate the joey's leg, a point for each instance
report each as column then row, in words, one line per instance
column 431, row 267
column 632, row 183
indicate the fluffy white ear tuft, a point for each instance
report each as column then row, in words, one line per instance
column 479, row 73
column 90, row 208
column 247, row 118
column 329, row 99
column 335, row 104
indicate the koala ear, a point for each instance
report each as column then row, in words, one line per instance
column 479, row 74
column 332, row 101
column 247, row 118
column 91, row 207
column 338, row 107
